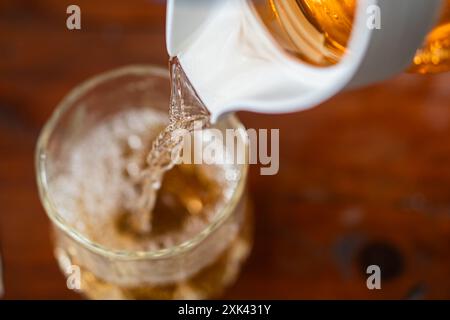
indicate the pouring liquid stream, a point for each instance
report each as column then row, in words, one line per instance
column 186, row 113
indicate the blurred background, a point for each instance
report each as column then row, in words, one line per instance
column 364, row 178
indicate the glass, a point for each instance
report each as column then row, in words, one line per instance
column 200, row 267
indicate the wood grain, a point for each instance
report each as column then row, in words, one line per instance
column 363, row 178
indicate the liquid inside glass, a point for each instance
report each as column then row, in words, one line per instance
column 318, row 31
column 120, row 187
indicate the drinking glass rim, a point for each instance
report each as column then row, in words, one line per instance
column 52, row 210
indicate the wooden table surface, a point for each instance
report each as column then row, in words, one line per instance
column 364, row 178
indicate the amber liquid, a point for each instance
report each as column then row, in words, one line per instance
column 434, row 56
column 209, row 282
column 318, row 31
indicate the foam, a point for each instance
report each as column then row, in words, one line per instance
column 97, row 182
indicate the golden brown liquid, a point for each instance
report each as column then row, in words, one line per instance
column 318, row 31
column 434, row 56
column 209, row 282
column 314, row 31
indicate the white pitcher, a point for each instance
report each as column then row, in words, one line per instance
column 234, row 63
